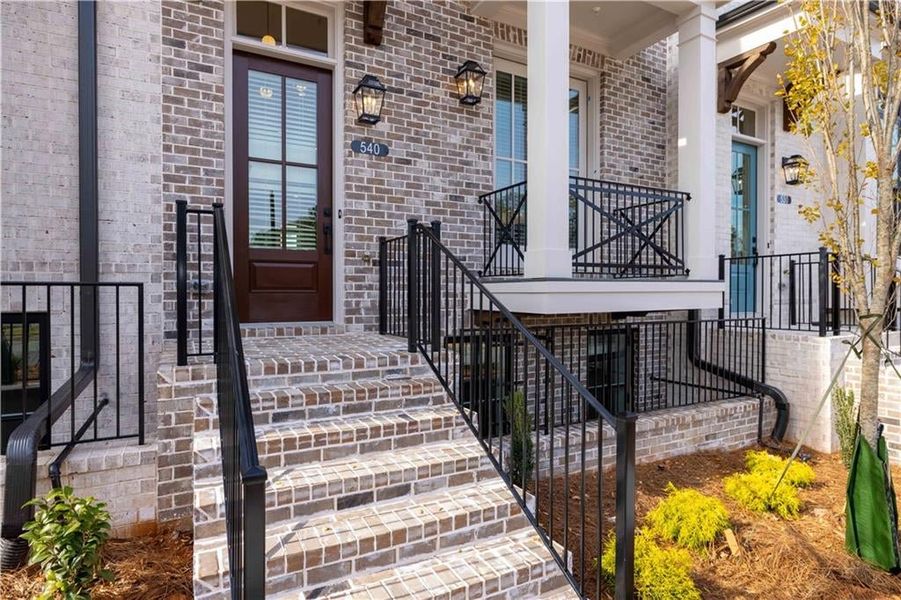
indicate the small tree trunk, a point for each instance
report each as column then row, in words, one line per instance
column 869, row 381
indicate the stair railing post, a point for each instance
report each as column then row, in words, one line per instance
column 181, row 281
column 624, row 582
column 412, row 285
column 435, row 292
column 383, row 285
column 721, row 313
column 823, row 277
column 254, row 524
column 836, row 297
column 218, row 207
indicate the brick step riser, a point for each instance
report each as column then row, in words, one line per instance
column 285, row 409
column 299, row 512
column 317, row 581
column 207, row 463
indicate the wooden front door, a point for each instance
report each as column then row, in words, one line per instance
column 282, row 190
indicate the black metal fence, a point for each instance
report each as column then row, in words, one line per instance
column 43, row 352
column 72, row 371
column 195, row 243
column 504, row 380
column 243, row 478
column 652, row 365
column 794, row 292
column 615, row 230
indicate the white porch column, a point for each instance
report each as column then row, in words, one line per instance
column 547, row 253
column 697, row 137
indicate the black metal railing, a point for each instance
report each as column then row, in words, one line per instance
column 645, row 366
column 243, row 478
column 504, row 379
column 97, row 396
column 795, row 291
column 615, row 230
column 194, row 311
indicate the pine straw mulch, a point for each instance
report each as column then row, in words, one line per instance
column 153, row 567
column 798, row 559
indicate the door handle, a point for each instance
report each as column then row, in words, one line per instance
column 327, row 237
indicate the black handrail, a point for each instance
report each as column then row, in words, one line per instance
column 243, row 478
column 488, row 361
column 616, row 230
column 42, row 426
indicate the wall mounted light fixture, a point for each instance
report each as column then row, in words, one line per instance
column 470, row 80
column 793, row 168
column 369, row 96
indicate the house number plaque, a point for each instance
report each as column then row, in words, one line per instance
column 369, row 147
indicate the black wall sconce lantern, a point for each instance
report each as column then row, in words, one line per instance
column 793, row 168
column 369, row 96
column 470, row 80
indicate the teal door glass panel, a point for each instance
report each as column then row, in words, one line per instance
column 743, row 273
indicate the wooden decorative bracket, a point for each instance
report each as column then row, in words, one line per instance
column 733, row 73
column 373, row 21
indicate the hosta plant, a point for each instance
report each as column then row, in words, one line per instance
column 65, row 538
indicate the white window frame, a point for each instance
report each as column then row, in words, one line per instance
column 519, row 69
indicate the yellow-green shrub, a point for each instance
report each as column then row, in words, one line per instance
column 660, row 573
column 799, row 474
column 688, row 517
column 754, row 491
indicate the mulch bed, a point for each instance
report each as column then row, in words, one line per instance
column 797, row 559
column 146, row 568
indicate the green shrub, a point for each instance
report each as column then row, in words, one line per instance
column 65, row 538
column 660, row 573
column 799, row 474
column 521, row 448
column 688, row 517
column 754, row 491
column 845, row 422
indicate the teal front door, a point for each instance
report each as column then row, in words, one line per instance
column 743, row 270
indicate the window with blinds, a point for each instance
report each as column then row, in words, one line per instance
column 283, row 163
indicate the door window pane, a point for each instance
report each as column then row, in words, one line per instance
column 264, row 115
column 300, row 208
column 264, row 200
column 575, row 156
column 503, row 116
column 306, row 30
column 503, row 173
column 300, row 121
column 520, row 114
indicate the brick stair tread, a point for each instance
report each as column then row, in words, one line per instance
column 272, row 356
column 297, row 435
column 338, row 537
column 477, row 570
column 347, row 479
column 366, row 396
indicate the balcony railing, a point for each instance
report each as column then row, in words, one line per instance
column 615, row 230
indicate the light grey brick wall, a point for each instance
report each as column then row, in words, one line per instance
column 40, row 179
column 121, row 475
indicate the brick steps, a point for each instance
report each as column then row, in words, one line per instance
column 329, row 400
column 514, row 566
column 304, row 491
column 330, row 547
column 374, row 480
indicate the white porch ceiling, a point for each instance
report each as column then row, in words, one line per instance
column 616, row 28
